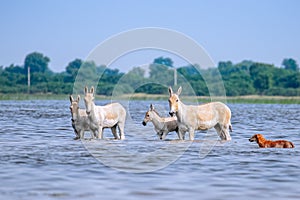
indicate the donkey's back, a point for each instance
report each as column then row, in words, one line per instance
column 112, row 114
column 171, row 124
column 210, row 114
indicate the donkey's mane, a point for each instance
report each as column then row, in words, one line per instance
column 156, row 112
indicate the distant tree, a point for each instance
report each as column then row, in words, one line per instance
column 224, row 65
column 161, row 74
column 243, row 78
column 290, row 64
column 72, row 70
column 135, row 77
column 262, row 75
column 37, row 62
column 138, row 72
column 111, row 76
column 163, row 61
column 245, row 63
column 73, row 67
column 293, row 81
column 193, row 76
column 190, row 72
column 15, row 69
column 86, row 76
column 227, row 68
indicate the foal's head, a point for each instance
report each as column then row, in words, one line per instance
column 174, row 100
column 89, row 99
column 74, row 107
column 149, row 115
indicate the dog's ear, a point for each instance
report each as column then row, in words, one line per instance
column 259, row 137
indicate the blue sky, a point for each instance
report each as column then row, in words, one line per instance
column 264, row 31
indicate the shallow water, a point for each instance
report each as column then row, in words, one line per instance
column 40, row 160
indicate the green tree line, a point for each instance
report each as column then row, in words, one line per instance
column 244, row 78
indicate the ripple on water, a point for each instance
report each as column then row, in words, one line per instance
column 40, row 160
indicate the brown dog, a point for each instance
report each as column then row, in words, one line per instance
column 263, row 143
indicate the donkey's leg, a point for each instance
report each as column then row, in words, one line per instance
column 81, row 134
column 99, row 133
column 77, row 136
column 225, row 130
column 181, row 134
column 178, row 134
column 230, row 127
column 219, row 130
column 114, row 132
column 93, row 134
column 192, row 133
column 164, row 135
column 222, row 132
column 121, row 126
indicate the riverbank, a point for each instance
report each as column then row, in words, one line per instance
column 251, row 99
column 255, row 99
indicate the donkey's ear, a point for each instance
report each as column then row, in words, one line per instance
column 86, row 89
column 170, row 91
column 78, row 98
column 92, row 89
column 71, row 99
column 151, row 107
column 179, row 90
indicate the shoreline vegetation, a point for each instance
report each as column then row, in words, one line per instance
column 248, row 99
column 238, row 80
column 244, row 82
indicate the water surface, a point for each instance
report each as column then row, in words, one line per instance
column 40, row 160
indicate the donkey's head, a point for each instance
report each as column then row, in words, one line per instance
column 174, row 101
column 149, row 115
column 89, row 99
column 74, row 107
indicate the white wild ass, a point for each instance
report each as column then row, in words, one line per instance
column 162, row 126
column 201, row 117
column 109, row 116
column 80, row 121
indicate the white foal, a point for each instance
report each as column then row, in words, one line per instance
column 162, row 125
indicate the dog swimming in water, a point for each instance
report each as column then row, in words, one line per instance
column 263, row 143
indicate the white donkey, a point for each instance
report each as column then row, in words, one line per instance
column 80, row 121
column 109, row 116
column 162, row 126
column 201, row 117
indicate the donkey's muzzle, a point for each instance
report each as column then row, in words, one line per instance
column 171, row 113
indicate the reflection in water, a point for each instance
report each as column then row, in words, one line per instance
column 39, row 158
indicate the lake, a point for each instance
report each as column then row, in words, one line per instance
column 40, row 160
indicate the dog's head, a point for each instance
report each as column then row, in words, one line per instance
column 256, row 138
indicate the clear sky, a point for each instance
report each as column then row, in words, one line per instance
column 259, row 30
